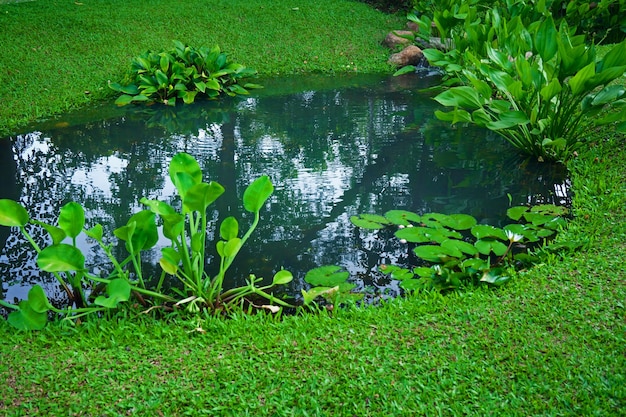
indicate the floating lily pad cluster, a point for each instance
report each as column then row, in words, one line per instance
column 458, row 251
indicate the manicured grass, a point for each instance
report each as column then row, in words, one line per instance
column 55, row 56
column 552, row 342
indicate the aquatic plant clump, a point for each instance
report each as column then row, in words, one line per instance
column 182, row 73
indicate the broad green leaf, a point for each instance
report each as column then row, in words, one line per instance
column 158, row 207
column 282, row 277
column 229, row 228
column 396, row 272
column 411, row 284
column 189, row 96
column 402, row 217
column 551, row 90
column 370, row 221
column 616, row 57
column 515, row 213
column 72, row 219
column 12, row 214
column 257, row 194
column 56, row 233
column 404, row 70
column 608, row 95
column 486, row 246
column 546, row 39
column 118, row 291
column 123, row 100
column 26, row 318
column 464, row 96
column 424, row 271
column 61, row 258
column 95, row 232
column 200, row 196
column 327, row 276
column 141, row 230
column 508, row 120
column 435, row 253
column 459, row 247
column 482, row 231
column 578, row 81
column 459, row 221
column 38, row 300
column 213, row 84
column 421, row 234
column 231, row 247
column 187, row 164
column 454, row 116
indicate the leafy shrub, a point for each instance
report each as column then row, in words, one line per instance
column 458, row 252
column 181, row 74
column 539, row 87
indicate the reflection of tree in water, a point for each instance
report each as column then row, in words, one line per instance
column 330, row 153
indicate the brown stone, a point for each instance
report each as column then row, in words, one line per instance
column 412, row 26
column 398, row 37
column 411, row 55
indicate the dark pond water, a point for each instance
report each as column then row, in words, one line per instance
column 333, row 147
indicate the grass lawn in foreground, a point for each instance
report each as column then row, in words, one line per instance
column 551, row 342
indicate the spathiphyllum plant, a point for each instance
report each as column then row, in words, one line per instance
column 456, row 251
column 182, row 73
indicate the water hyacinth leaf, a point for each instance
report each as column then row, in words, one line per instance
column 370, row 221
column 12, row 214
column 231, row 247
column 173, row 225
column 56, row 233
column 229, row 228
column 158, row 207
column 72, row 219
column 118, row 290
column 26, row 318
column 200, row 196
column 183, row 163
column 257, row 193
column 282, row 277
column 38, row 300
column 61, row 258
column 402, row 217
column 95, row 232
column 516, row 213
column 482, row 231
column 487, row 246
column 145, row 233
column 327, row 276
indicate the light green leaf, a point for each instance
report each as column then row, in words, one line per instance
column 257, row 194
column 402, row 217
column 118, row 291
column 61, row 258
column 200, row 196
column 12, row 214
column 282, row 277
column 370, row 221
column 72, row 219
column 327, row 276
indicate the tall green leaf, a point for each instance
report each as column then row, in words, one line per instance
column 72, row 219
column 257, row 194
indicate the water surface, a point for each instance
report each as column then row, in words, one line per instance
column 332, row 146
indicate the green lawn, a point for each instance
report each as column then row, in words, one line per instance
column 551, row 342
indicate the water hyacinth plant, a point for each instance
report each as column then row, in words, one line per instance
column 186, row 229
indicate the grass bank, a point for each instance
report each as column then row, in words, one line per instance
column 552, row 342
column 58, row 55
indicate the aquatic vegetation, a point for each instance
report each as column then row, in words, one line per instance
column 186, row 229
column 456, row 251
column 182, row 73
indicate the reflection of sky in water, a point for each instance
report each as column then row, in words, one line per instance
column 330, row 155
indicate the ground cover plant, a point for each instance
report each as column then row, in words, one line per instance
column 551, row 342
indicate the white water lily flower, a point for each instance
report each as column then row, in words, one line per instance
column 402, row 240
column 513, row 237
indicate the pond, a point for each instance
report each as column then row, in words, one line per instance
column 332, row 146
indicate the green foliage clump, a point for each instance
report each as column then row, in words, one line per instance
column 457, row 251
column 535, row 83
column 185, row 228
column 182, row 73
